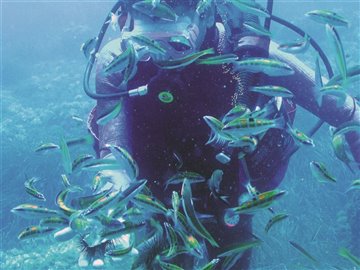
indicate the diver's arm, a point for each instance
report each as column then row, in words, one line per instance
column 301, row 83
column 114, row 132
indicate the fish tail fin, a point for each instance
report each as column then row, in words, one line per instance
column 225, row 199
column 280, row 123
column 219, row 140
column 212, row 138
column 215, row 127
column 278, row 102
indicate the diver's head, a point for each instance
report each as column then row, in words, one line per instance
column 176, row 24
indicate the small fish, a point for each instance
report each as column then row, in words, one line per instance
column 221, row 59
column 184, row 61
column 296, row 47
column 116, row 253
column 211, row 265
column 239, row 248
column 320, row 172
column 180, row 250
column 65, row 156
column 109, row 222
column 96, row 182
column 79, row 223
column 30, row 189
column 149, row 203
column 204, row 9
column 135, row 215
column 271, row 107
column 119, row 63
column 354, row 185
column 152, row 45
column 175, row 202
column 80, row 160
column 303, row 251
column 257, row 29
column 109, row 115
column 101, row 164
column 88, row 139
column 35, row 231
column 191, row 244
column 327, row 17
column 108, row 200
column 54, row 222
column 129, row 228
column 127, row 195
column 131, row 68
column 273, row 220
column 335, row 90
column 171, row 239
column 252, row 126
column 61, row 198
column 347, row 127
column 168, row 266
column 125, row 160
column 88, row 47
column 191, row 217
column 230, row 261
column 179, row 161
column 268, row 66
column 160, row 10
column 47, row 146
column 352, row 76
column 236, row 112
column 300, row 136
column 261, row 201
column 180, row 177
column 31, row 211
column 77, row 118
column 338, row 49
column 318, row 78
column 249, row 7
column 343, row 252
column 84, row 202
column 272, row 91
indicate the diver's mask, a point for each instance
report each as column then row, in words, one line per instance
column 179, row 38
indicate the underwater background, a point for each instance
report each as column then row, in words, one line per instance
column 41, row 90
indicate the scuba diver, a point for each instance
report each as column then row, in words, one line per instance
column 164, row 129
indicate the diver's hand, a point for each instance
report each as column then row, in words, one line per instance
column 102, row 257
column 95, row 256
column 116, row 179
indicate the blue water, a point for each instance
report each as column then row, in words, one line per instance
column 41, row 89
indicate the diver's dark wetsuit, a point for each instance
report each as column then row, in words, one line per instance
column 153, row 131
